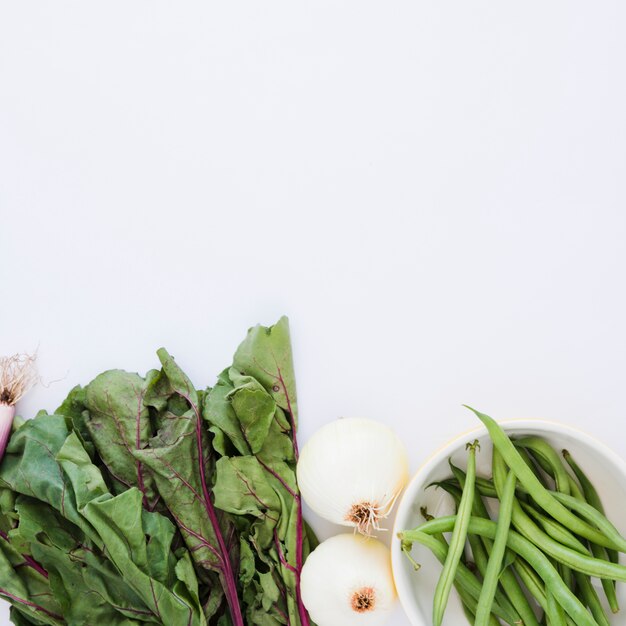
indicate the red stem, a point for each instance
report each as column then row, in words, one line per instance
column 227, row 568
column 37, row 607
column 304, row 616
column 28, row 560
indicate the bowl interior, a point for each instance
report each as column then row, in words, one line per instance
column 416, row 589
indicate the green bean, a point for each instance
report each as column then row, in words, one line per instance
column 513, row 596
column 479, row 552
column 589, row 491
column 480, row 482
column 452, row 489
column 493, row 621
column 457, row 473
column 533, row 583
column 570, row 558
column 526, row 550
column 594, row 516
column 548, row 459
column 592, row 497
column 540, row 495
column 501, row 600
column 468, row 613
column 490, row 581
column 554, row 611
column 546, row 466
column 555, row 530
column 464, row 579
column 499, row 472
column 531, row 461
column 500, row 478
column 567, row 575
column 590, row 598
column 457, row 541
column 469, row 608
column 450, row 485
column 428, row 517
column 478, row 507
column 575, row 490
column 485, row 487
column 477, row 546
column 607, row 585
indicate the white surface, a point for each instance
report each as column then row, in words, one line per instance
column 604, row 467
column 433, row 192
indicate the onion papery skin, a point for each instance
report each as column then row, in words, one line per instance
column 353, row 464
column 337, row 571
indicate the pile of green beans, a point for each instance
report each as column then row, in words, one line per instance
column 533, row 565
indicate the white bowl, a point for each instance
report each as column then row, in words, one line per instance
column 415, row 589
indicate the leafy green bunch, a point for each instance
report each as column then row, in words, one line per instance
column 143, row 500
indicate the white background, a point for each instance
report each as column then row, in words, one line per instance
column 433, row 192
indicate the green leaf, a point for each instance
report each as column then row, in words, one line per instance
column 132, row 503
column 159, row 555
column 224, row 422
column 278, row 445
column 73, row 408
column 247, row 566
column 119, row 521
column 173, row 456
column 242, row 488
column 19, row 619
column 265, row 354
column 255, row 410
column 180, row 458
column 31, row 594
column 119, row 423
column 178, row 381
column 30, row 467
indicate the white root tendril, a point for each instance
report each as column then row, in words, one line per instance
column 366, row 516
column 18, row 373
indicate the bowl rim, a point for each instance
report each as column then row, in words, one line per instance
column 543, row 425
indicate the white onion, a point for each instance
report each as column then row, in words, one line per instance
column 351, row 471
column 347, row 580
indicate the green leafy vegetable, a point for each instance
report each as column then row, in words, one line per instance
column 144, row 500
